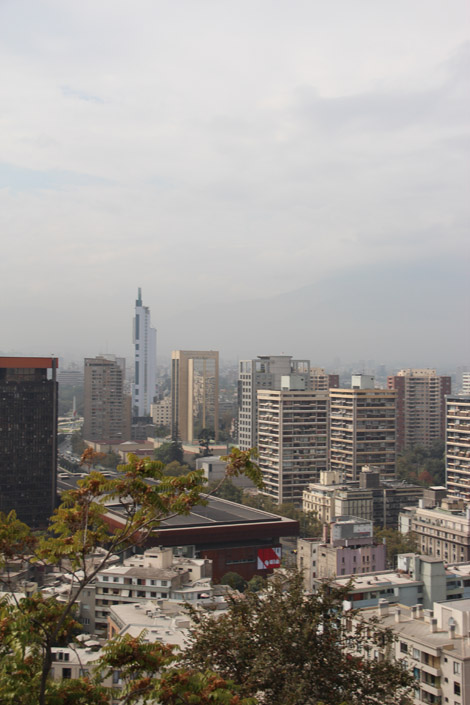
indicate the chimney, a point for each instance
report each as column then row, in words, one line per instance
column 383, row 607
column 451, row 631
column 433, row 625
column 397, row 615
column 418, row 611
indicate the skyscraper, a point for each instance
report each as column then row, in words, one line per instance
column 28, row 437
column 194, row 393
column 362, row 428
column 107, row 408
column 420, row 407
column 145, row 355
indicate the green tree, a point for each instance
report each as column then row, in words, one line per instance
column 226, row 490
column 77, row 443
column 288, row 648
column 205, row 436
column 308, row 523
column 396, row 543
column 423, row 466
column 31, row 627
column 169, row 451
column 234, row 580
column 256, row 584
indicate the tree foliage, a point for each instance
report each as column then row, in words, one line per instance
column 423, row 466
column 396, row 543
column 169, row 451
column 31, row 627
column 289, row 649
column 309, row 524
column 234, row 580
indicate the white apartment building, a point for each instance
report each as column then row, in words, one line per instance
column 458, row 446
column 264, row 372
column 155, row 575
column 292, row 439
column 433, row 644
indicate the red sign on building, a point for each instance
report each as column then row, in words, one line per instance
column 269, row 558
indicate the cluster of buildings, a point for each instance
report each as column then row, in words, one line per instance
column 329, row 449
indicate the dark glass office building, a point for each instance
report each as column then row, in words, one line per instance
column 28, row 437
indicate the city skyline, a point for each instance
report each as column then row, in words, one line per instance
column 275, row 172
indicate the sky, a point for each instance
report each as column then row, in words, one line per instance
column 230, row 158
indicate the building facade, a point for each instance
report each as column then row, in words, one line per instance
column 442, row 532
column 370, row 497
column 194, row 394
column 320, row 381
column 161, row 412
column 106, row 407
column 264, row 372
column 28, row 437
column 145, row 360
column 362, row 428
column 420, row 407
column 432, row 644
column 458, row 446
column 292, row 441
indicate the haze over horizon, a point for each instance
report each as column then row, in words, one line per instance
column 276, row 177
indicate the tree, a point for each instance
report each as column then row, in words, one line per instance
column 169, row 451
column 205, row 437
column 396, row 543
column 226, row 490
column 31, row 627
column 234, row 580
column 289, row 648
column 309, row 524
column 424, row 466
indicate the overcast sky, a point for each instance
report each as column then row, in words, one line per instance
column 216, row 152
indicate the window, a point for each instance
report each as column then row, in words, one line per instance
column 456, row 667
column 416, row 653
column 403, row 647
column 66, row 673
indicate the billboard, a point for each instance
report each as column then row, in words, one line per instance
column 269, row 558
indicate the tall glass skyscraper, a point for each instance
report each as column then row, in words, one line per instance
column 145, row 347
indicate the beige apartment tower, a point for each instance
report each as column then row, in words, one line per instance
column 194, row 394
column 107, row 408
column 420, row 407
column 362, row 428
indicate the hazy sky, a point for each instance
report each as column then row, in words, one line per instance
column 216, row 152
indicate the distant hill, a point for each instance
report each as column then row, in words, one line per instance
column 417, row 313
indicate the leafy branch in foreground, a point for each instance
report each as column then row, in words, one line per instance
column 288, row 648
column 30, row 628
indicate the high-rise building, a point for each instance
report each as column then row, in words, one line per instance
column 28, row 437
column 194, row 394
column 362, row 428
column 458, row 446
column 145, row 356
column 466, row 384
column 420, row 407
column 107, row 408
column 264, row 372
column 292, row 439
column 320, row 381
